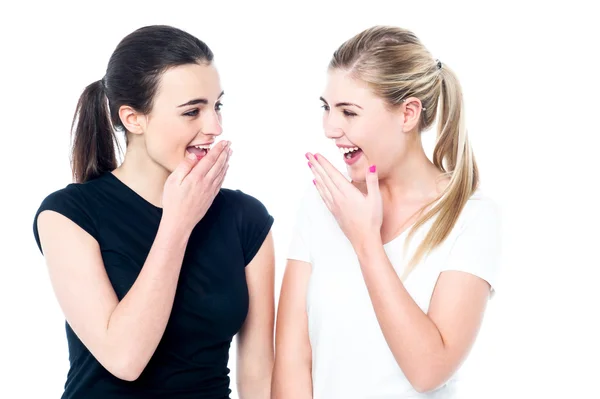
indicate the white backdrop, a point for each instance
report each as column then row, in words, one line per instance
column 530, row 77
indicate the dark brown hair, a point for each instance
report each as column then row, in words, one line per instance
column 131, row 79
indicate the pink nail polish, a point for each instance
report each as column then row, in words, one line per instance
column 316, row 157
column 306, row 155
column 314, row 182
column 373, row 169
column 310, row 165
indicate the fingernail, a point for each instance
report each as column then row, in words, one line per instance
column 306, row 155
column 314, row 182
column 373, row 169
column 316, row 157
column 310, row 165
column 191, row 155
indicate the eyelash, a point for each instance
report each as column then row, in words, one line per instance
column 193, row 112
column 196, row 111
column 346, row 112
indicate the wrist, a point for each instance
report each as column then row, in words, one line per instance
column 368, row 245
column 174, row 230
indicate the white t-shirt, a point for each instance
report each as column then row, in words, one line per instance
column 350, row 357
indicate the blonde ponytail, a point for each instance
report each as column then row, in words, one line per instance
column 454, row 156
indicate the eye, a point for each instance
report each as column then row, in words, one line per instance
column 218, row 106
column 325, row 107
column 349, row 113
column 193, row 112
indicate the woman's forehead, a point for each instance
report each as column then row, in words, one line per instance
column 185, row 82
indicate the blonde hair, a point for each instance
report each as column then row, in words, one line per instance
column 396, row 65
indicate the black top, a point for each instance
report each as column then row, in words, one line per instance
column 211, row 301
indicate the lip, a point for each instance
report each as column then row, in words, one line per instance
column 352, row 161
column 209, row 145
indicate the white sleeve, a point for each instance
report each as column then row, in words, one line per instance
column 299, row 248
column 477, row 246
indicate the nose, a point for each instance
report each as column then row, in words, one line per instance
column 331, row 128
column 212, row 125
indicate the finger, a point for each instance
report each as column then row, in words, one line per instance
column 185, row 166
column 324, row 193
column 335, row 175
column 218, row 182
column 317, row 169
column 373, row 182
column 218, row 167
column 208, row 162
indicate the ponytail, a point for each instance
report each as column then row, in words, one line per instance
column 93, row 150
column 453, row 156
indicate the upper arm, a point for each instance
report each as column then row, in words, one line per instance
column 78, row 278
column 292, row 341
column 457, row 307
column 256, row 336
column 463, row 288
column 292, row 376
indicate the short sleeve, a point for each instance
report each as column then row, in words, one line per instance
column 299, row 248
column 254, row 224
column 70, row 203
column 477, row 246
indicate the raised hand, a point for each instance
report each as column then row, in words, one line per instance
column 190, row 190
column 359, row 215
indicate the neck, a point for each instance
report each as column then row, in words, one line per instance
column 143, row 175
column 412, row 178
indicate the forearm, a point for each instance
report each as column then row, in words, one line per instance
column 137, row 324
column 291, row 380
column 254, row 367
column 412, row 336
column 254, row 380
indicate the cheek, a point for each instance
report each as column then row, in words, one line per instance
column 167, row 140
column 379, row 141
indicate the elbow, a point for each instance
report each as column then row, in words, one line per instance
column 426, row 381
column 126, row 368
column 126, row 374
column 424, row 388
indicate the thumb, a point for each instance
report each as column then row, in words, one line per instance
column 186, row 165
column 372, row 182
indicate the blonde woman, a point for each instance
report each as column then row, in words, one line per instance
column 389, row 273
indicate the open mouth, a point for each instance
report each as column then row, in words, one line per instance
column 350, row 152
column 199, row 150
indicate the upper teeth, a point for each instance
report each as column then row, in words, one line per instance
column 205, row 147
column 346, row 150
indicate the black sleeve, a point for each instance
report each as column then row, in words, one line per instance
column 254, row 224
column 69, row 203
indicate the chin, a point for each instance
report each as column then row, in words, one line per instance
column 357, row 174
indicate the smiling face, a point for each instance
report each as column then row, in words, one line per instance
column 185, row 115
column 362, row 125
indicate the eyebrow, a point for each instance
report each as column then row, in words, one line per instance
column 198, row 101
column 345, row 104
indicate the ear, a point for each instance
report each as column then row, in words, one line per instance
column 411, row 112
column 133, row 121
